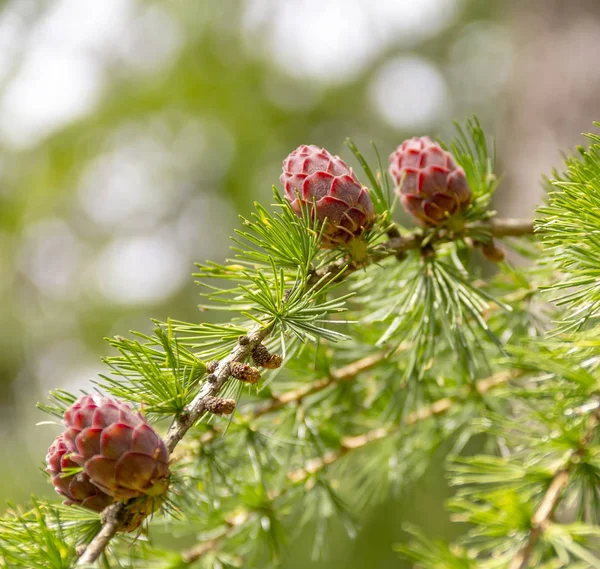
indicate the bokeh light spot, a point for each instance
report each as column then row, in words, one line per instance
column 409, row 92
column 141, row 269
column 481, row 61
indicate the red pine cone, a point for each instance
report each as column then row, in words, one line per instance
column 119, row 451
column 76, row 488
column 430, row 184
column 313, row 177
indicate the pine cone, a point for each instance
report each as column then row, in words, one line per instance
column 430, row 184
column 119, row 451
column 76, row 488
column 314, row 178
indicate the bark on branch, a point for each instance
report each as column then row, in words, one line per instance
column 113, row 514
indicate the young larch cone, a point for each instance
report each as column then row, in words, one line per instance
column 431, row 186
column 323, row 183
column 118, row 450
column 263, row 358
column 77, row 487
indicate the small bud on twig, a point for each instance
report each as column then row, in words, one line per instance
column 263, row 358
column 492, row 253
column 211, row 366
column 243, row 340
column 219, row 406
column 245, row 372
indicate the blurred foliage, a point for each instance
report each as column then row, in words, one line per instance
column 166, row 158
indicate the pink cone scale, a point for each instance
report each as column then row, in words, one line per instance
column 77, row 487
column 314, row 179
column 430, row 185
column 120, row 453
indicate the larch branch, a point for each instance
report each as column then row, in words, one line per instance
column 349, row 444
column 337, row 376
column 113, row 517
column 394, row 246
column 439, row 407
column 542, row 517
column 113, row 514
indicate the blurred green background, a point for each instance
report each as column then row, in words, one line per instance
column 132, row 134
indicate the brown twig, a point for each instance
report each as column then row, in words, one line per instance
column 113, row 514
column 497, row 228
column 112, row 519
column 337, row 376
column 242, row 350
column 296, row 396
column 179, row 427
column 349, row 444
column 542, row 517
column 439, row 407
column 394, row 246
column 397, row 246
column 341, row 375
column 196, row 551
column 511, row 227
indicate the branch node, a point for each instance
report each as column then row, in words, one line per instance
column 184, row 416
column 212, row 366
